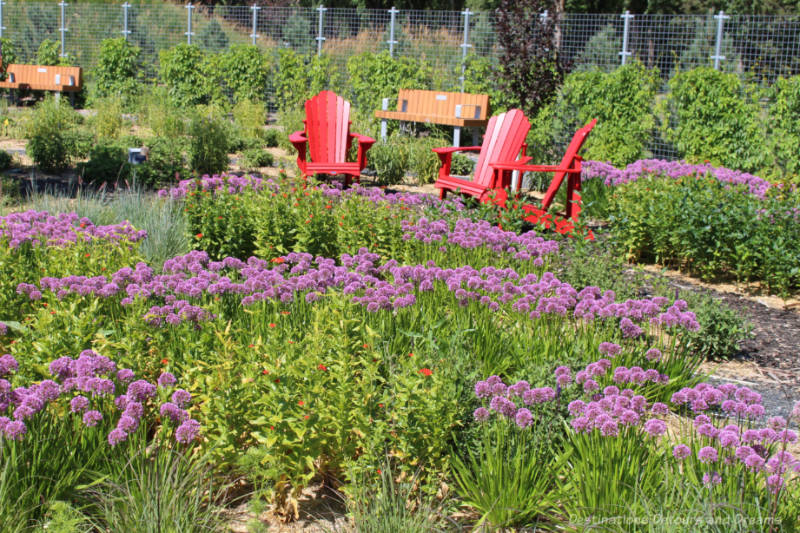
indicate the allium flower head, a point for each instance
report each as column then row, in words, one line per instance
column 480, row 414
column 523, row 418
column 655, row 427
column 681, row 451
column 181, row 398
column 707, row 454
column 187, row 431
column 166, row 380
column 91, row 418
column 78, row 404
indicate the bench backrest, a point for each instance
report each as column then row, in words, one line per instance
column 505, row 135
column 328, row 127
column 45, row 78
column 567, row 162
column 442, row 104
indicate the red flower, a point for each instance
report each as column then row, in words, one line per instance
column 278, row 260
column 380, row 405
column 323, row 367
column 199, row 235
column 411, row 354
column 425, row 371
column 277, row 380
column 379, row 471
column 164, row 361
column 251, row 345
column 86, row 255
column 365, row 345
column 272, row 324
column 265, row 372
column 305, row 417
column 301, row 403
column 284, row 313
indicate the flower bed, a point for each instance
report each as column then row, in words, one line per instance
column 302, row 365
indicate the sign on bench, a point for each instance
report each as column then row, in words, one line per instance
column 437, row 107
column 43, row 78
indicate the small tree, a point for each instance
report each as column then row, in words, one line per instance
column 531, row 70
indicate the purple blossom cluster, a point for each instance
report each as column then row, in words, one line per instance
column 387, row 286
column 469, row 234
column 89, row 385
column 3, row 328
column 504, row 400
column 615, row 409
column 216, row 184
column 732, row 400
column 621, row 375
column 612, row 176
column 42, row 229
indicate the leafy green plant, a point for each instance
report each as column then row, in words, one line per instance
column 162, row 115
column 47, row 132
column 377, row 76
column 389, row 159
column 510, row 480
column 256, row 158
column 48, row 53
column 212, row 37
column 208, row 145
column 712, row 115
column 298, row 77
column 245, row 70
column 785, row 125
column 165, row 161
column 108, row 162
column 5, row 160
column 108, row 122
column 9, row 55
column 721, row 329
column 190, row 75
column 422, row 160
column 461, row 165
column 249, row 117
column 118, row 70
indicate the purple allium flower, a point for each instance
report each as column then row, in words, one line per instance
column 681, row 451
column 707, row 454
column 3, row 328
column 15, row 429
column 775, row 483
column 609, row 429
column 134, row 410
column 712, row 478
column 125, row 375
column 483, row 389
column 523, row 418
column 776, row 422
column 743, row 452
column 166, row 380
column 653, row 354
column 728, row 439
column 116, row 436
column 128, row 424
column 141, row 390
column 576, row 407
column 187, row 431
column 91, row 418
column 181, row 398
column 8, row 364
column 655, row 427
column 609, row 348
column 78, row 404
column 481, row 414
column 754, row 462
column 659, row 408
column 590, row 385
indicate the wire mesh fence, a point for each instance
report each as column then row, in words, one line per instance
column 758, row 48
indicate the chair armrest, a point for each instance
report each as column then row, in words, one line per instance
column 451, row 149
column 298, row 137
column 363, row 139
column 522, row 167
column 364, row 144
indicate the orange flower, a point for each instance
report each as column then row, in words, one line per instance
column 284, row 313
column 301, row 403
column 272, row 324
column 199, row 235
column 425, row 371
column 322, row 367
column 86, row 255
column 164, row 361
column 251, row 345
column 411, row 354
column 305, row 417
column 365, row 345
column 265, row 372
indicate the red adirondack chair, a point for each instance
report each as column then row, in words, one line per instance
column 503, row 141
column 327, row 132
column 570, row 167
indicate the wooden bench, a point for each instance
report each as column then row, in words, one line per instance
column 437, row 107
column 43, row 78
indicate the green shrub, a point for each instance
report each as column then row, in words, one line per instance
column 80, row 141
column 256, row 158
column 107, row 123
column 389, row 159
column 9, row 55
column 461, row 165
column 108, row 162
column 712, row 115
column 118, row 70
column 212, row 37
column 374, row 77
column 191, row 75
column 165, row 162
column 721, row 328
column 298, row 77
column 48, row 53
column 162, row 115
column 271, row 138
column 480, row 77
column 249, row 117
column 784, row 116
column 208, row 143
column 622, row 101
column 422, row 160
column 48, row 132
column 245, row 70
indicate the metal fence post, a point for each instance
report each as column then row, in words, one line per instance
column 322, row 9
column 63, row 28
column 543, row 16
column 189, row 32
column 1, row 18
column 717, row 57
column 625, row 31
column 125, row 30
column 392, row 12
column 254, row 35
column 465, row 46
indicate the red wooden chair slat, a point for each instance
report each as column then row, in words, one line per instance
column 327, row 135
column 504, row 139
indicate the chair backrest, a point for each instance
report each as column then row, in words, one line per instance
column 327, row 127
column 569, row 157
column 505, row 135
column 431, row 105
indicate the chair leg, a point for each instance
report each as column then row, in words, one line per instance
column 442, row 193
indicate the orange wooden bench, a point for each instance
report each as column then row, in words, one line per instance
column 43, row 78
column 437, row 107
